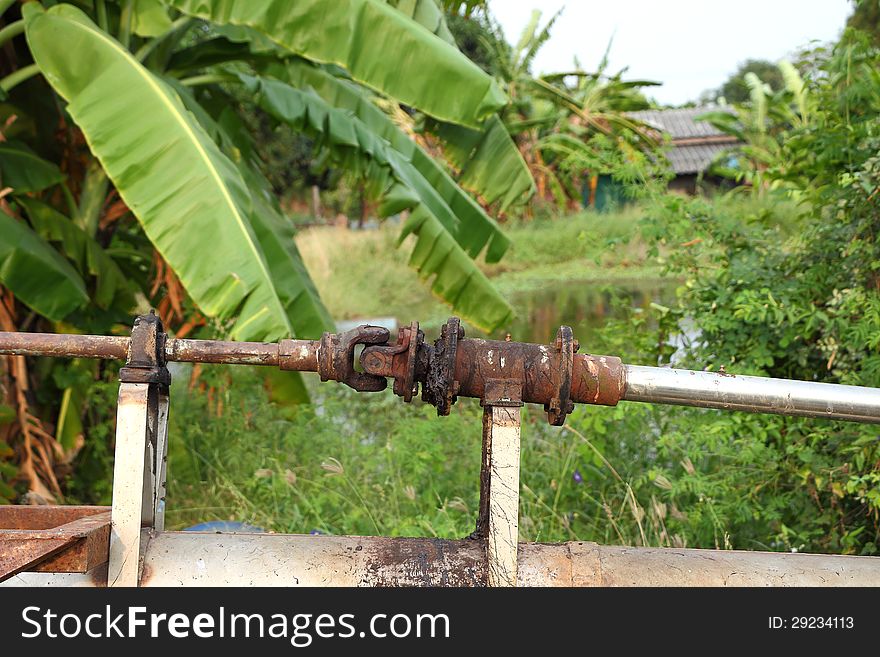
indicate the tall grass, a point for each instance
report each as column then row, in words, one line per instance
column 371, row 465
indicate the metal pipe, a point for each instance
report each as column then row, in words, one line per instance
column 292, row 354
column 218, row 351
column 595, row 379
column 194, row 559
column 753, row 394
column 64, row 345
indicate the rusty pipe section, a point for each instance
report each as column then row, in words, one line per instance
column 594, row 379
column 64, row 345
column 453, row 366
column 194, row 559
column 298, row 355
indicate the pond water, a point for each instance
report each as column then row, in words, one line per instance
column 584, row 305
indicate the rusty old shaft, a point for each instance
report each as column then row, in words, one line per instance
column 510, row 372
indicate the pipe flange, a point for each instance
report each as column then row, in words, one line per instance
column 560, row 404
column 409, row 386
column 441, row 388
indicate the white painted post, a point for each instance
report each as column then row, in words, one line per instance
column 504, row 495
column 129, row 479
column 499, row 481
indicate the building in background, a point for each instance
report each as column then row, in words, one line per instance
column 693, row 145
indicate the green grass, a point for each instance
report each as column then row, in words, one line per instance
column 347, row 463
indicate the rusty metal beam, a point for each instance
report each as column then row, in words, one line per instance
column 65, row 345
column 52, row 539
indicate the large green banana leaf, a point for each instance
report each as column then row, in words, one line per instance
column 488, row 160
column 476, row 228
column 505, row 176
column 275, row 234
column 36, row 273
column 427, row 14
column 378, row 45
column 189, row 197
column 352, row 143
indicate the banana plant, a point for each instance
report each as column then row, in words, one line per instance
column 122, row 87
column 182, row 188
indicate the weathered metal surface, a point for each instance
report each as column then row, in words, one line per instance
column 336, row 358
column 553, row 375
column 64, row 345
column 439, row 378
column 220, row 351
column 97, row 577
column 146, row 353
column 52, row 539
column 21, row 516
column 160, row 463
column 596, row 565
column 196, row 559
column 397, row 361
column 753, row 394
column 298, row 355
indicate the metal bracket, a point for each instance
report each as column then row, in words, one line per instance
column 146, row 353
column 141, row 449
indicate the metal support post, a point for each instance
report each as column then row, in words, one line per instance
column 141, row 447
column 498, row 520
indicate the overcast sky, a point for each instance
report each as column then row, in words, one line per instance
column 688, row 45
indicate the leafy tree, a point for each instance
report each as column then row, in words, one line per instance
column 800, row 303
column 475, row 37
column 866, row 17
column 736, row 89
column 570, row 126
column 762, row 125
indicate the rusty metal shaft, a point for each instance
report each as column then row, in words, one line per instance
column 553, row 375
column 298, row 355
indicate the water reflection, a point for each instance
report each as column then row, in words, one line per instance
column 584, row 305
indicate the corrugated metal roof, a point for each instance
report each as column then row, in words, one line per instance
column 694, row 144
column 693, row 158
column 681, row 123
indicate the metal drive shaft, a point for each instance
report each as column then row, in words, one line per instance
column 755, row 394
column 553, row 375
